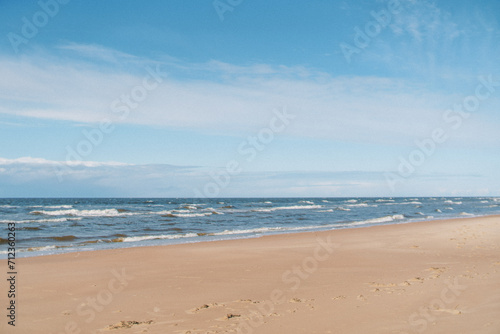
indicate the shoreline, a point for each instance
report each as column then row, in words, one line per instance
column 431, row 276
column 25, row 254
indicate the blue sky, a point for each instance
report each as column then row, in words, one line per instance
column 317, row 98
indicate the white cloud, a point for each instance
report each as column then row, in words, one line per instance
column 34, row 177
column 98, row 52
column 220, row 97
column 71, row 163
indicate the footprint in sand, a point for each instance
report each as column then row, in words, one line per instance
column 339, row 297
column 361, row 297
column 436, row 271
column 450, row 311
column 204, row 306
column 417, row 279
column 382, row 285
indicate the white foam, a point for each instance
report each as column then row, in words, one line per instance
column 342, row 209
column 165, row 212
column 329, row 210
column 451, row 202
column 293, row 207
column 187, row 215
column 358, row 205
column 53, row 206
column 181, row 211
column 466, row 214
column 34, row 221
column 43, row 248
column 154, row 237
column 352, row 201
column 306, row 202
column 253, row 230
column 384, row 219
column 85, row 213
column 404, row 203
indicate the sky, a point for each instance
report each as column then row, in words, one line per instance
column 237, row 98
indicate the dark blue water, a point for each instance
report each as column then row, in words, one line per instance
column 49, row 226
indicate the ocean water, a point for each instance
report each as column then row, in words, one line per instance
column 51, row 226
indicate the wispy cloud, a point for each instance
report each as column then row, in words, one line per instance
column 217, row 96
column 98, row 52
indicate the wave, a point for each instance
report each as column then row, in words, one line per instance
column 339, row 208
column 403, row 203
column 8, row 206
column 189, row 207
column 35, row 221
column 384, row 219
column 42, row 248
column 384, row 200
column 306, row 202
column 466, row 214
column 359, row 205
column 84, row 213
column 451, row 202
column 352, row 201
column 154, row 237
column 52, row 206
column 63, row 238
column 293, row 207
column 188, row 215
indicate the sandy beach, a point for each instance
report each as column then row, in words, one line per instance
column 426, row 277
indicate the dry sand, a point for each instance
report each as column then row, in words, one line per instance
column 427, row 277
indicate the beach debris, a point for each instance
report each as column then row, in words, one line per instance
column 232, row 315
column 128, row 324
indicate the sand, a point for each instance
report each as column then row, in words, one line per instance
column 426, row 277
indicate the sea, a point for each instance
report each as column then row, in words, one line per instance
column 59, row 225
